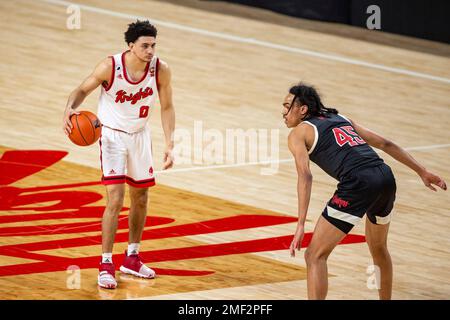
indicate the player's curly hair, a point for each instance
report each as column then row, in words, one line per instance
column 138, row 29
column 308, row 95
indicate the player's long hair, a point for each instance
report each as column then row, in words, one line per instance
column 307, row 95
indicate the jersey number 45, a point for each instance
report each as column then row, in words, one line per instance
column 347, row 134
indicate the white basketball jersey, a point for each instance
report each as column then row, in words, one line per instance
column 125, row 104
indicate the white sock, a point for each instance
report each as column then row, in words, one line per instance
column 133, row 248
column 106, row 257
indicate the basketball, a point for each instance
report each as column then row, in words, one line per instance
column 86, row 128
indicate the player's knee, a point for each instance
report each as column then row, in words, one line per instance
column 114, row 207
column 376, row 242
column 377, row 245
column 114, row 203
column 378, row 248
column 140, row 199
column 315, row 256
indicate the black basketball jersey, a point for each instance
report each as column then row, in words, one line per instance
column 337, row 148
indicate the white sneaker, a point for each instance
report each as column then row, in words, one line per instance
column 132, row 264
column 106, row 276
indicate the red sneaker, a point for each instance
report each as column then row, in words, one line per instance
column 106, row 276
column 132, row 264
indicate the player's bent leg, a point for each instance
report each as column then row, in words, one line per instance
column 138, row 213
column 114, row 203
column 325, row 238
column 376, row 237
column 132, row 263
column 115, row 194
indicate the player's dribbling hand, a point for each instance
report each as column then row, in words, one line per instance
column 168, row 159
column 297, row 240
column 67, row 125
column 429, row 179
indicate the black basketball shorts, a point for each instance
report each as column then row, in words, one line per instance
column 369, row 190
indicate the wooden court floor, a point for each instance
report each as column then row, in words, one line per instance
column 215, row 231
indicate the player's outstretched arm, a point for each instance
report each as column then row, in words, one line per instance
column 101, row 73
column 401, row 155
column 167, row 111
column 297, row 146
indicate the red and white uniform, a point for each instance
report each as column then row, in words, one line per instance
column 123, row 109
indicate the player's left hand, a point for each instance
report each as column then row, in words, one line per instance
column 429, row 179
column 297, row 241
column 168, row 159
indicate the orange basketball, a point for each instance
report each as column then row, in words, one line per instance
column 86, row 128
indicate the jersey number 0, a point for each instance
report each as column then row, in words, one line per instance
column 143, row 111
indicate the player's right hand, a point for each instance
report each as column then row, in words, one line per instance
column 67, row 125
column 168, row 159
column 296, row 243
column 429, row 179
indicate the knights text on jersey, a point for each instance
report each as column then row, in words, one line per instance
column 125, row 104
column 337, row 148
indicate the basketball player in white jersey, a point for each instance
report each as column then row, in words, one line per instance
column 130, row 82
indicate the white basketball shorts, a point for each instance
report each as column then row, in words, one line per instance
column 126, row 157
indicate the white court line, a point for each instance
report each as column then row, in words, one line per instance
column 433, row 146
column 223, row 166
column 253, row 41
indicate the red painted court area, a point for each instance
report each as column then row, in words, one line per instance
column 68, row 203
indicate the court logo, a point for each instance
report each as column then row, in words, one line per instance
column 34, row 206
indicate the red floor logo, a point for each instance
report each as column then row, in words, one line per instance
column 68, row 203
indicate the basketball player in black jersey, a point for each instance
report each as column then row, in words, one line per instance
column 366, row 185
